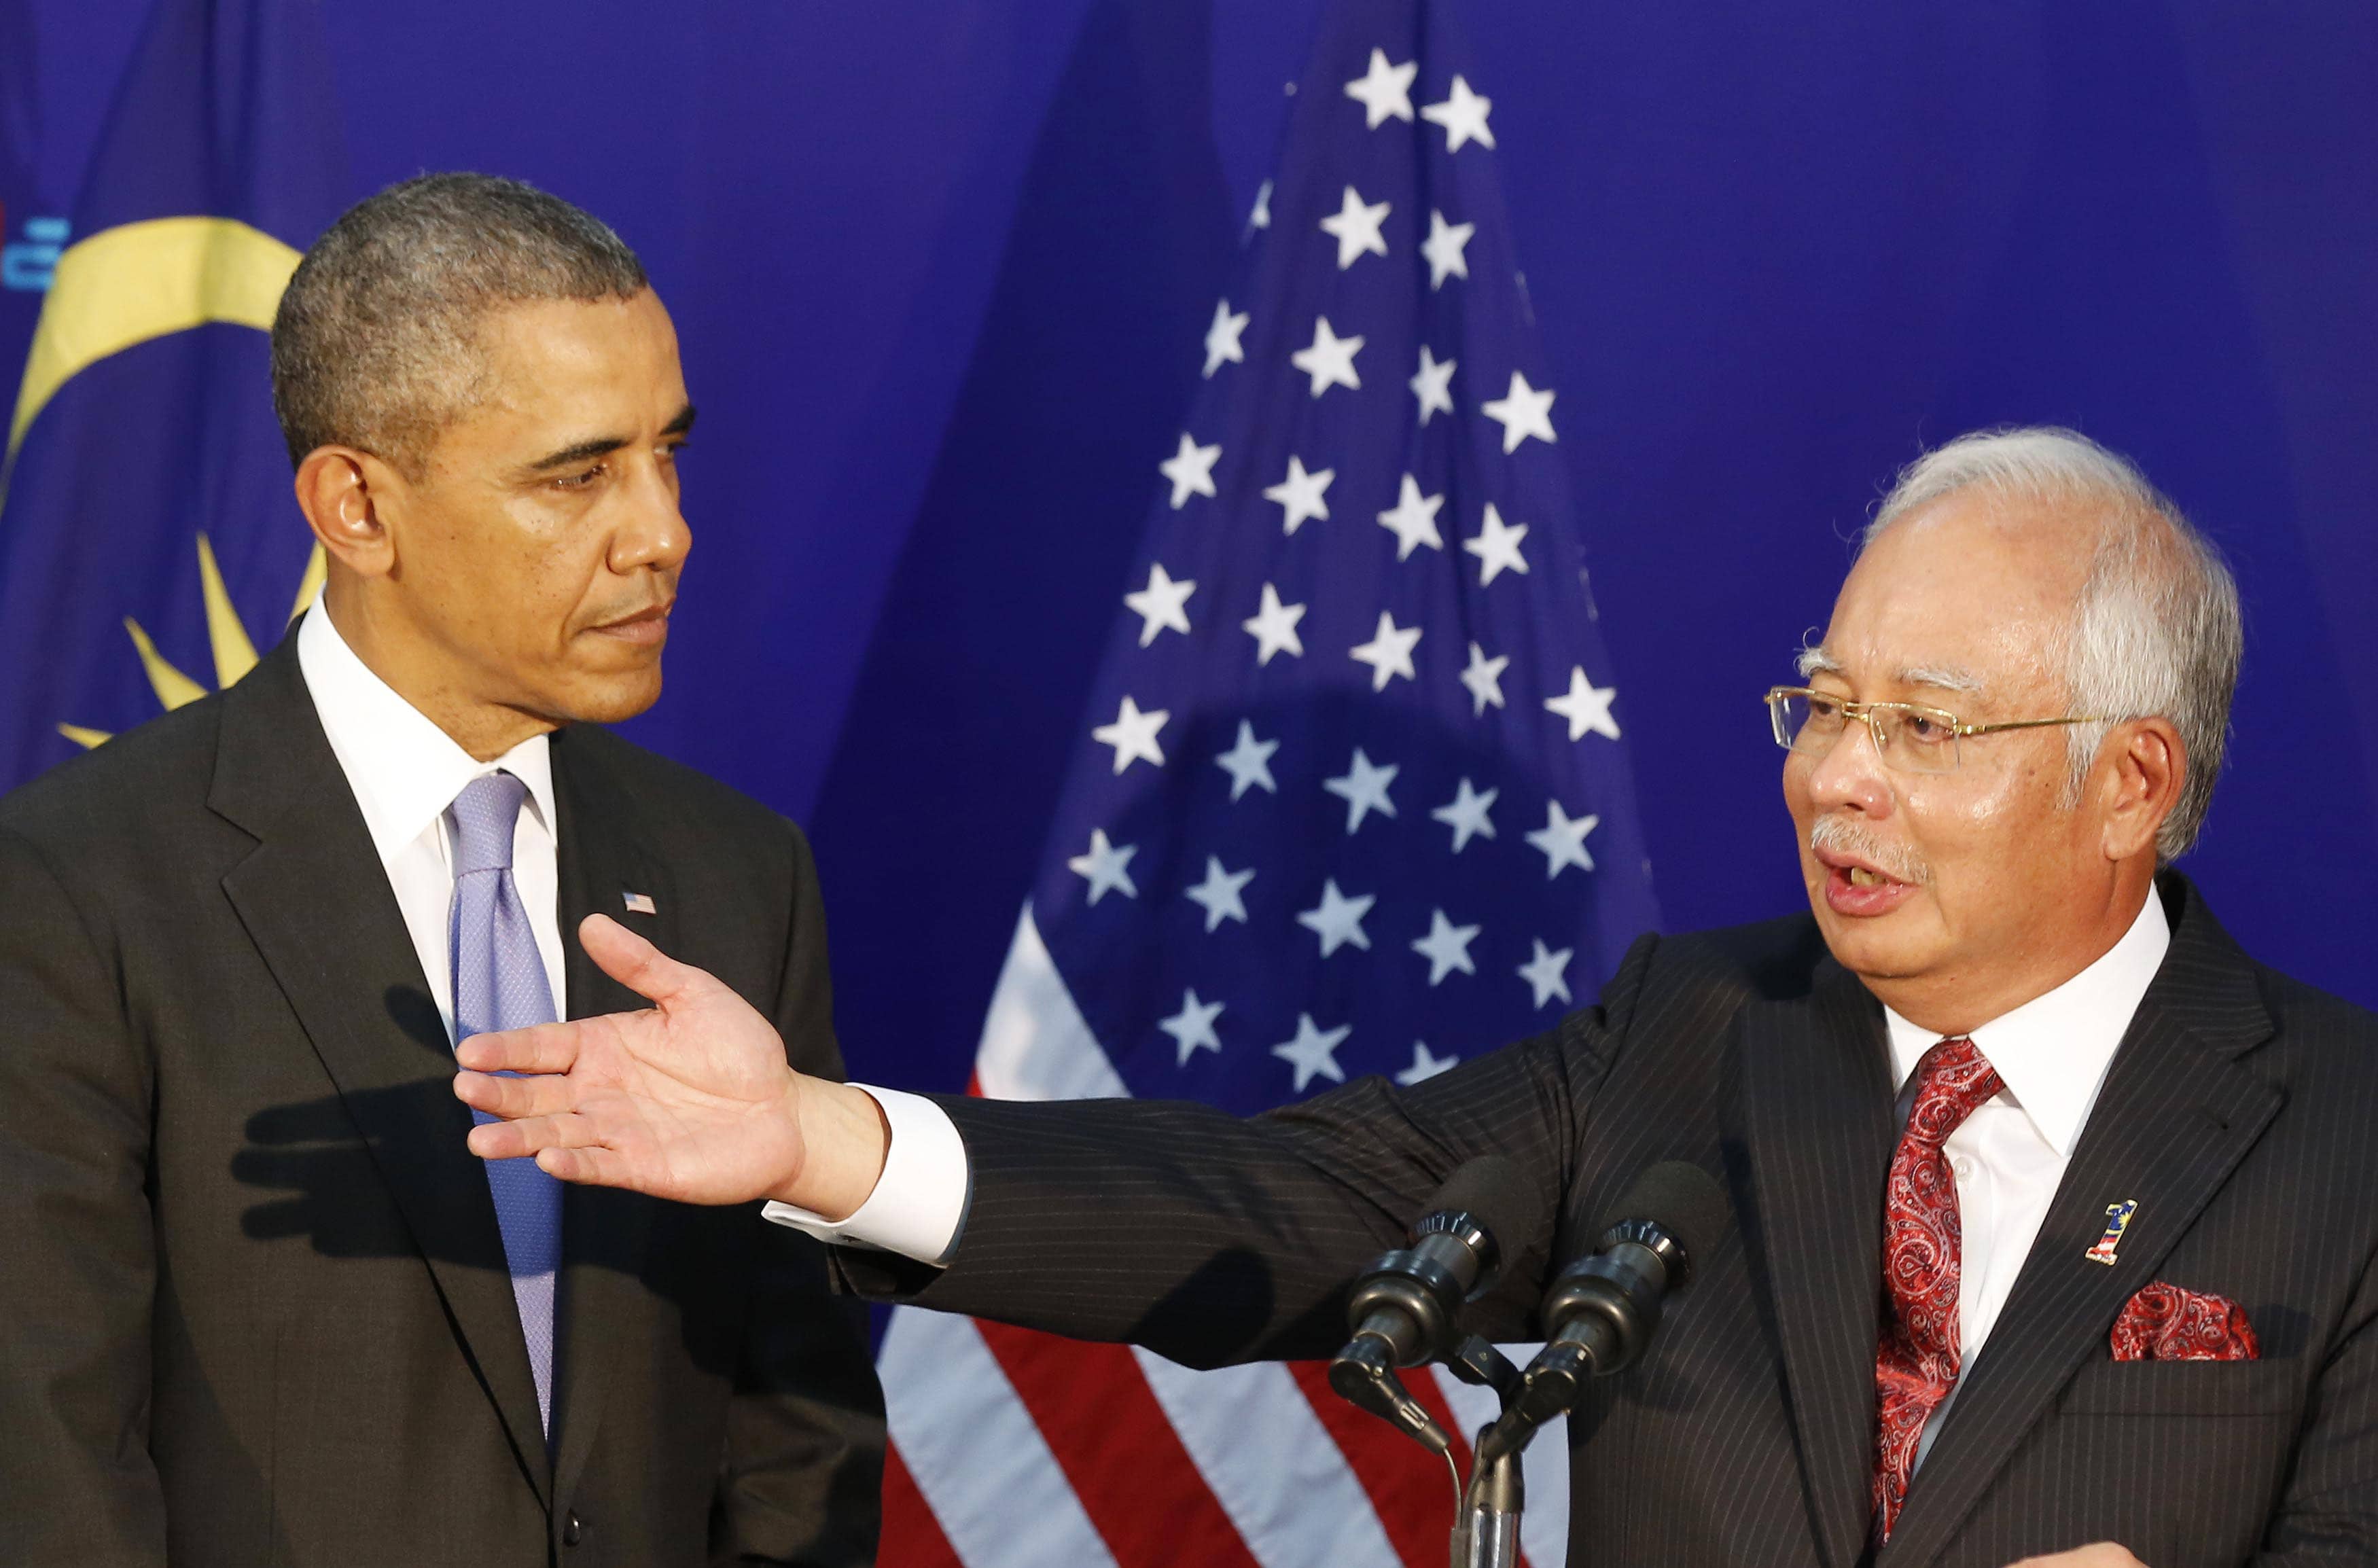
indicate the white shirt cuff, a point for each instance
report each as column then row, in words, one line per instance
column 920, row 1199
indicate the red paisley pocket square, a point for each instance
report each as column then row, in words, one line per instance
column 2165, row 1322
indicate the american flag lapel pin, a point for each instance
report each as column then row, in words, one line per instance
column 639, row 903
column 2117, row 1220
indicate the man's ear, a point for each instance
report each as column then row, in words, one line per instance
column 343, row 492
column 2146, row 763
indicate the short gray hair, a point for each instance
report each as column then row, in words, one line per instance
column 375, row 345
column 2156, row 632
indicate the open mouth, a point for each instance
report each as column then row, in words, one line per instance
column 1854, row 886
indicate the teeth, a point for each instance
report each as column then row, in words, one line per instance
column 1862, row 878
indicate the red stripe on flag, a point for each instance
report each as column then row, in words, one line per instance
column 1407, row 1485
column 1138, row 1485
column 912, row 1537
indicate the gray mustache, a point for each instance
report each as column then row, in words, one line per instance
column 1845, row 837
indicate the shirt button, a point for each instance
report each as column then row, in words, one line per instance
column 1964, row 1168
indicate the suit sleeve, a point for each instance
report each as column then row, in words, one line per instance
column 805, row 1431
column 2329, row 1513
column 80, row 1274
column 1213, row 1240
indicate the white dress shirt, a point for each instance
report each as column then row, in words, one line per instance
column 2008, row 1157
column 405, row 772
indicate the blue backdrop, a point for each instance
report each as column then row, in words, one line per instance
column 941, row 271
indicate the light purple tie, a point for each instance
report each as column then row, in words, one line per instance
column 500, row 983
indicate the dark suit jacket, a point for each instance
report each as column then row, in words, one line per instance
column 2240, row 1112
column 253, row 1301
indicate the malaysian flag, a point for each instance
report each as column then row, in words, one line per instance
column 1352, row 798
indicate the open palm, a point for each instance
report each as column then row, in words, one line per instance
column 689, row 1100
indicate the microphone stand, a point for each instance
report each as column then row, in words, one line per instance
column 1486, row 1526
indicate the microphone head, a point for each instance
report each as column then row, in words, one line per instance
column 1681, row 1199
column 1498, row 1198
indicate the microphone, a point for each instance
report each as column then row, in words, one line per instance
column 1403, row 1305
column 1601, row 1311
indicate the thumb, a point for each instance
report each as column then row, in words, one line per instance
column 636, row 962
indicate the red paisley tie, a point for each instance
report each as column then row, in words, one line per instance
column 1916, row 1362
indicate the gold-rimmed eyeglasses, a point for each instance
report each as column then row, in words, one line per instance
column 1907, row 736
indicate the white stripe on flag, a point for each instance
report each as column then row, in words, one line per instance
column 974, row 1454
column 1271, row 1464
column 1543, row 1528
column 1035, row 1045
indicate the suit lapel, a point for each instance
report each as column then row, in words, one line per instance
column 1817, row 1129
column 2177, row 1114
column 604, row 1232
column 316, row 902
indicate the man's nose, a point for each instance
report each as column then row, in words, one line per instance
column 1851, row 773
column 653, row 535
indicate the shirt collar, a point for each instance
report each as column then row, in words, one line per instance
column 404, row 770
column 2052, row 1052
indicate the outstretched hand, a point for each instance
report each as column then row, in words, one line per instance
column 689, row 1099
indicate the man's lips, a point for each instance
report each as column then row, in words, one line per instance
column 647, row 624
column 1859, row 887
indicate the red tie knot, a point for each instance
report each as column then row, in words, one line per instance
column 1951, row 1080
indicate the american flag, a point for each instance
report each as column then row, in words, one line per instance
column 1352, row 798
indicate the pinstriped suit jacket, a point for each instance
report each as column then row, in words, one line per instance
column 2240, row 1112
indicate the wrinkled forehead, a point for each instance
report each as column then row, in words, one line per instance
column 1967, row 597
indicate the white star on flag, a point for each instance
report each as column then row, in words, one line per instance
column 1329, row 361
column 1444, row 252
column 1389, row 652
column 1191, row 470
column 1273, row 626
column 1106, row 866
column 1463, row 115
column 1261, row 217
column 1311, row 1052
column 1562, row 839
column 1412, row 519
column 1248, row 761
column 1160, row 604
column 1363, row 787
column 1222, row 338
column 1423, row 1066
column 1586, row 706
column 1497, row 546
column 1356, row 225
column 1466, row 813
column 1337, row 919
column 1218, row 893
column 1547, row 973
column 1485, row 679
column 1384, row 91
column 1522, row 413
column 1446, row 947
column 1192, row 1027
column 1133, row 735
column 1433, row 385
column 1301, row 494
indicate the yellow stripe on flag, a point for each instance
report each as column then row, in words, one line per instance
column 127, row 285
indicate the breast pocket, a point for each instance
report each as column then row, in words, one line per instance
column 2184, row 1388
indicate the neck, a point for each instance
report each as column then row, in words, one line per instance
column 413, row 669
column 1960, row 1001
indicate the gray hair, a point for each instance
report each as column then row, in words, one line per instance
column 376, row 342
column 2156, row 632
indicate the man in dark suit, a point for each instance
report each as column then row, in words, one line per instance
column 2054, row 1216
column 261, row 1305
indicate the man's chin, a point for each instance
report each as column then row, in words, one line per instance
column 611, row 700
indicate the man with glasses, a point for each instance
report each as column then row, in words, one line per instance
column 2055, row 1213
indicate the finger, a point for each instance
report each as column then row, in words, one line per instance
column 636, row 964
column 541, row 1048
column 512, row 1098
column 591, row 1166
column 517, row 1140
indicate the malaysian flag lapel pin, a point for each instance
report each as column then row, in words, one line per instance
column 2117, row 1220
column 639, row 903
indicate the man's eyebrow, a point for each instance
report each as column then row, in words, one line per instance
column 1942, row 677
column 603, row 446
column 1814, row 660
